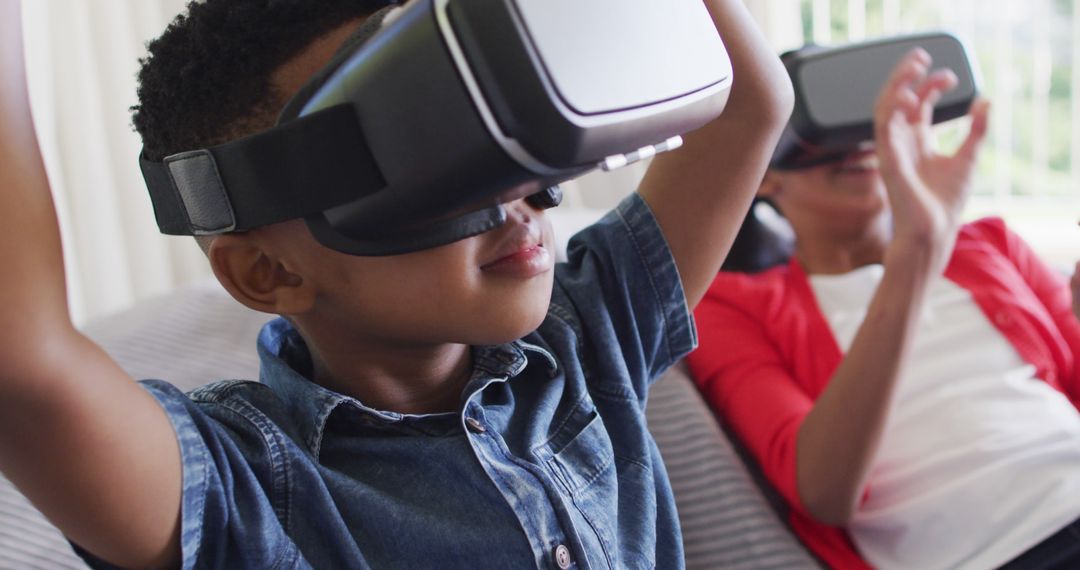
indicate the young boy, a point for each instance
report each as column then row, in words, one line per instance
column 466, row 405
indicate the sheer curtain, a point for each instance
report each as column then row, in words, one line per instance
column 82, row 58
column 81, row 63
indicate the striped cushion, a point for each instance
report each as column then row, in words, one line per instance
column 726, row 520
column 27, row 540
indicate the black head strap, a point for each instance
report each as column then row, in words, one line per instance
column 293, row 170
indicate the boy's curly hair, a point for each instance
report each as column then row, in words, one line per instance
column 206, row 80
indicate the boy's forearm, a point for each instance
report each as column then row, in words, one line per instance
column 701, row 193
column 33, row 296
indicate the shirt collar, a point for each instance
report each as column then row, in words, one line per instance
column 285, row 365
column 509, row 360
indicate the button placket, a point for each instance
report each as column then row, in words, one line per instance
column 562, row 557
column 474, row 425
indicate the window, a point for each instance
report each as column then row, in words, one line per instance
column 1028, row 53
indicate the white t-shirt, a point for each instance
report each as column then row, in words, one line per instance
column 979, row 460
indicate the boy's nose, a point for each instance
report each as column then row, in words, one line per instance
column 520, row 210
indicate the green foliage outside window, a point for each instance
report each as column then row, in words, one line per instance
column 1032, row 27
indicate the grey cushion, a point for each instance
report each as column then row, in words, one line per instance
column 27, row 540
column 199, row 334
column 188, row 338
column 726, row 520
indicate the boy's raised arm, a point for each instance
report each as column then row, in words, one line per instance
column 701, row 192
column 87, row 445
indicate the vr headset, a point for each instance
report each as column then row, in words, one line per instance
column 434, row 113
column 836, row 89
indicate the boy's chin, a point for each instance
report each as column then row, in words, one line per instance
column 509, row 331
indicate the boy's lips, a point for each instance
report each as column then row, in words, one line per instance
column 527, row 262
column 521, row 254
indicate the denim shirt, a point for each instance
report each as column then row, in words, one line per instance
column 548, row 463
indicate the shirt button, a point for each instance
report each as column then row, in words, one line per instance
column 562, row 557
column 1050, row 377
column 474, row 425
column 1003, row 319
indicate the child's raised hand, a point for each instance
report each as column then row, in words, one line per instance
column 927, row 190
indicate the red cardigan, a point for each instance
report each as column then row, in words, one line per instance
column 766, row 352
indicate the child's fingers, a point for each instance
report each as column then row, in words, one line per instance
column 912, row 67
column 907, row 102
column 892, row 136
column 980, row 119
column 902, row 100
column 909, row 71
column 897, row 92
column 929, row 93
column 931, row 90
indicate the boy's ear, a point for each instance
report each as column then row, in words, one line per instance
column 257, row 278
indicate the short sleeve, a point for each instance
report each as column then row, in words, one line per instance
column 228, row 516
column 621, row 292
